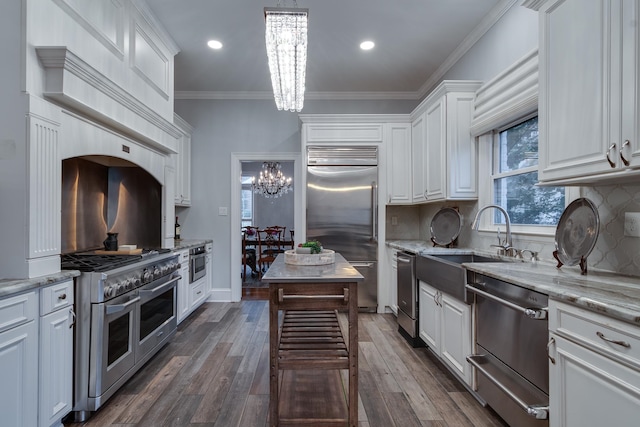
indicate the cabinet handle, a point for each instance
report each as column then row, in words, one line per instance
column 425, row 195
column 552, row 359
column 621, row 343
column 611, row 147
column 73, row 318
column 63, row 296
column 624, row 144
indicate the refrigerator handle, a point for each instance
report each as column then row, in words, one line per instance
column 374, row 211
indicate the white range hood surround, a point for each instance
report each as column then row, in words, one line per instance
column 72, row 82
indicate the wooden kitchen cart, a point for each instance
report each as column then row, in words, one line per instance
column 310, row 337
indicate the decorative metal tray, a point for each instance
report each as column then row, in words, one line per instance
column 445, row 227
column 577, row 233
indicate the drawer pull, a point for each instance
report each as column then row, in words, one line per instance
column 62, row 296
column 551, row 342
column 621, row 343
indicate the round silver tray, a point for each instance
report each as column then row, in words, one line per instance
column 445, row 226
column 577, row 233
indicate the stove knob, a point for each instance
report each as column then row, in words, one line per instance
column 135, row 282
column 147, row 276
column 156, row 272
column 128, row 283
column 108, row 291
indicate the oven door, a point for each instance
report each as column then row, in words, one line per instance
column 198, row 267
column 112, row 351
column 157, row 318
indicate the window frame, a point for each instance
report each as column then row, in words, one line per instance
column 487, row 143
column 244, row 187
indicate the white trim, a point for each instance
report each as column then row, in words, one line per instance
column 236, row 187
column 510, row 95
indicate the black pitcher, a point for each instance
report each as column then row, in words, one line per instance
column 111, row 242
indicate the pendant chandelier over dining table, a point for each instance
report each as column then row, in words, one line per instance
column 286, row 40
column 272, row 182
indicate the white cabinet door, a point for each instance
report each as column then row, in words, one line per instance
column 429, row 316
column 589, row 100
column 398, row 149
column 455, row 343
column 435, row 147
column 418, row 165
column 56, row 366
column 183, row 163
column 19, row 360
column 392, row 268
column 183, row 286
column 445, row 326
column 587, row 389
column 19, row 373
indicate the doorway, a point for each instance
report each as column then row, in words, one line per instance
column 260, row 211
column 266, row 212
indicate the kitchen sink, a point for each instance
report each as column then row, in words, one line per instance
column 446, row 273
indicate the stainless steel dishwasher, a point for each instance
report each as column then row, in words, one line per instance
column 408, row 298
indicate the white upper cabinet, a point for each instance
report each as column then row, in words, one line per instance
column 182, row 195
column 399, row 177
column 589, row 101
column 445, row 154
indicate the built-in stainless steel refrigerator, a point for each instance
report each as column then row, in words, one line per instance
column 342, row 214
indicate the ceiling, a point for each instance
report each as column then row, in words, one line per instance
column 416, row 41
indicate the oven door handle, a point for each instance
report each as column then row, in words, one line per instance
column 159, row 289
column 533, row 313
column 116, row 308
column 540, row 412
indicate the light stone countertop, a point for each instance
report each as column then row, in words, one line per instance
column 182, row 244
column 603, row 292
column 340, row 271
column 10, row 287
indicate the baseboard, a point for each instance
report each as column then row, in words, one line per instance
column 220, row 295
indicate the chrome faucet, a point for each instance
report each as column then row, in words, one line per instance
column 507, row 244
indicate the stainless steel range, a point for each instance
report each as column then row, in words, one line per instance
column 126, row 311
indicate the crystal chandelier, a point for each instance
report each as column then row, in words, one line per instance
column 286, row 39
column 272, row 183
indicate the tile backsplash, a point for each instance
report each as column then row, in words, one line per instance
column 613, row 251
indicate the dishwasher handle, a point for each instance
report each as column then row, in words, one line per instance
column 532, row 313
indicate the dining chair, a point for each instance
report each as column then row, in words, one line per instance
column 249, row 239
column 269, row 246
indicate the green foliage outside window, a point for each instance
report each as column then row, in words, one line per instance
column 515, row 177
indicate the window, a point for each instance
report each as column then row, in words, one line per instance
column 514, row 175
column 246, row 200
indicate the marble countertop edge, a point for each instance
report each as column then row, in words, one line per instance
column 10, row 287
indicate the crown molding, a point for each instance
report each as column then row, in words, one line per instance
column 485, row 25
column 325, row 96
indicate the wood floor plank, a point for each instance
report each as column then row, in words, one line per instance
column 400, row 410
column 372, row 401
column 208, row 370
column 256, row 411
column 379, row 369
column 235, row 401
column 216, row 393
column 180, row 415
column 418, row 398
column 145, row 400
column 477, row 415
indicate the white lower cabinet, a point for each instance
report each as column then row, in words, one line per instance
column 56, row 353
column 392, row 260
column 183, row 286
column 19, row 360
column 445, row 326
column 594, row 369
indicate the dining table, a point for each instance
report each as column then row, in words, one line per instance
column 310, row 336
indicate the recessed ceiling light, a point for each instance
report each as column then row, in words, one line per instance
column 214, row 44
column 367, row 45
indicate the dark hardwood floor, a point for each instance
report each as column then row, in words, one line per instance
column 215, row 372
